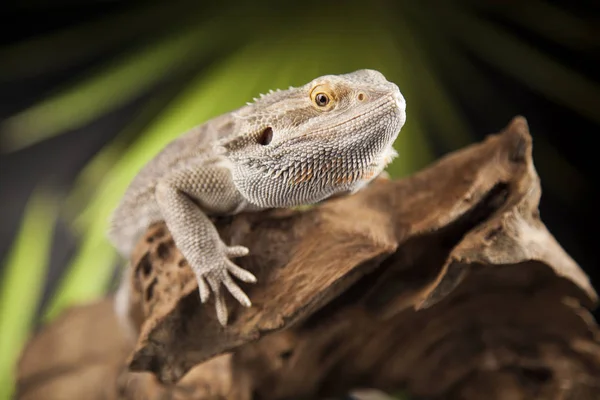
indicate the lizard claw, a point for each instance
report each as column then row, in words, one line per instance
column 221, row 274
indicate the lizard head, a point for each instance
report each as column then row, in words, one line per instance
column 305, row 144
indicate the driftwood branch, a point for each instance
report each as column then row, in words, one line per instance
column 446, row 284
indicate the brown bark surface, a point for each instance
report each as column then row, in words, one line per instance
column 446, row 284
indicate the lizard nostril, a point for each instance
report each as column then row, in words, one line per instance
column 266, row 136
column 361, row 96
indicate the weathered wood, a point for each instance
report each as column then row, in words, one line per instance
column 446, row 283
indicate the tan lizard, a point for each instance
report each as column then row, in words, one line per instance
column 291, row 147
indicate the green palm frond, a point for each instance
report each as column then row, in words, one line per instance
column 84, row 41
column 547, row 20
column 112, row 85
column 104, row 91
column 526, row 63
column 22, row 283
column 571, row 187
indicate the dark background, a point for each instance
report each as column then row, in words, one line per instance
column 569, row 210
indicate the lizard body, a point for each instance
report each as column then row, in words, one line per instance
column 291, row 147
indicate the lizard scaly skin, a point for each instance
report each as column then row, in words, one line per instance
column 290, row 147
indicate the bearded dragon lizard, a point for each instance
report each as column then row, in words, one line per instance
column 291, row 147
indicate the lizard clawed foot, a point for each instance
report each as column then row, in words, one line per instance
column 220, row 273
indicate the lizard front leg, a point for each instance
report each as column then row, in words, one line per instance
column 196, row 236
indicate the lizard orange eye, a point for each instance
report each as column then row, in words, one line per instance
column 321, row 99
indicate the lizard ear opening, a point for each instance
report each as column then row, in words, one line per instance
column 236, row 146
column 266, row 136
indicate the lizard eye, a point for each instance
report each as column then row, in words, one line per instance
column 323, row 97
column 266, row 136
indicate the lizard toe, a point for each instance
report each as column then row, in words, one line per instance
column 221, row 308
column 203, row 288
column 236, row 251
column 220, row 305
column 240, row 273
column 237, row 292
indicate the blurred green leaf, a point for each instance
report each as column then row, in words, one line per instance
column 110, row 88
column 569, row 184
column 436, row 105
column 22, row 285
column 526, row 63
column 38, row 55
column 547, row 20
column 96, row 169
